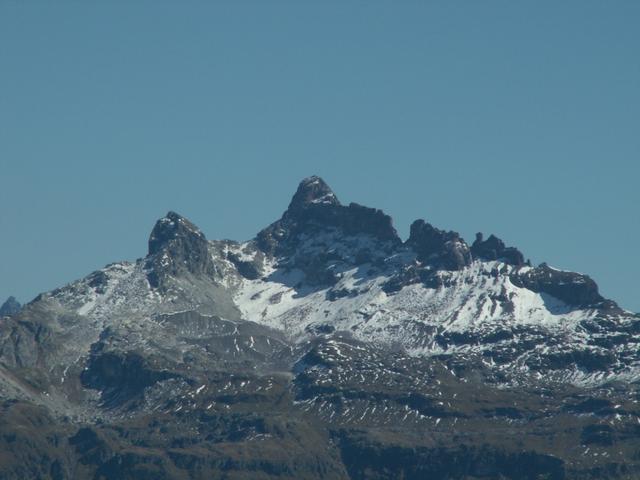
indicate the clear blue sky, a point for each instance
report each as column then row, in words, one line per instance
column 518, row 118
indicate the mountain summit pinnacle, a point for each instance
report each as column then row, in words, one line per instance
column 177, row 246
column 10, row 307
column 169, row 229
column 313, row 190
column 315, row 208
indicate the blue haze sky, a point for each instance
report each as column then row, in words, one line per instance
column 517, row 118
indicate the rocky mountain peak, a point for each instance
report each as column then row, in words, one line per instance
column 573, row 288
column 312, row 191
column 172, row 228
column 314, row 208
column 10, row 307
column 446, row 250
column 177, row 246
column 495, row 249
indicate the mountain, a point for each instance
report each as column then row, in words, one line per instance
column 325, row 347
column 10, row 307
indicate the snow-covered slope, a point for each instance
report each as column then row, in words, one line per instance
column 472, row 301
column 411, row 295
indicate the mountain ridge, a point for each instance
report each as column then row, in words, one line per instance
column 326, row 326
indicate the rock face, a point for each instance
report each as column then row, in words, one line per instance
column 312, row 191
column 494, row 249
column 573, row 288
column 323, row 348
column 177, row 246
column 10, row 307
column 442, row 249
column 315, row 209
column 319, row 236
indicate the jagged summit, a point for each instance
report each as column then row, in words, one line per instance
column 171, row 228
column 177, row 246
column 312, row 191
column 319, row 236
column 314, row 208
column 494, row 249
column 10, row 307
column 446, row 250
